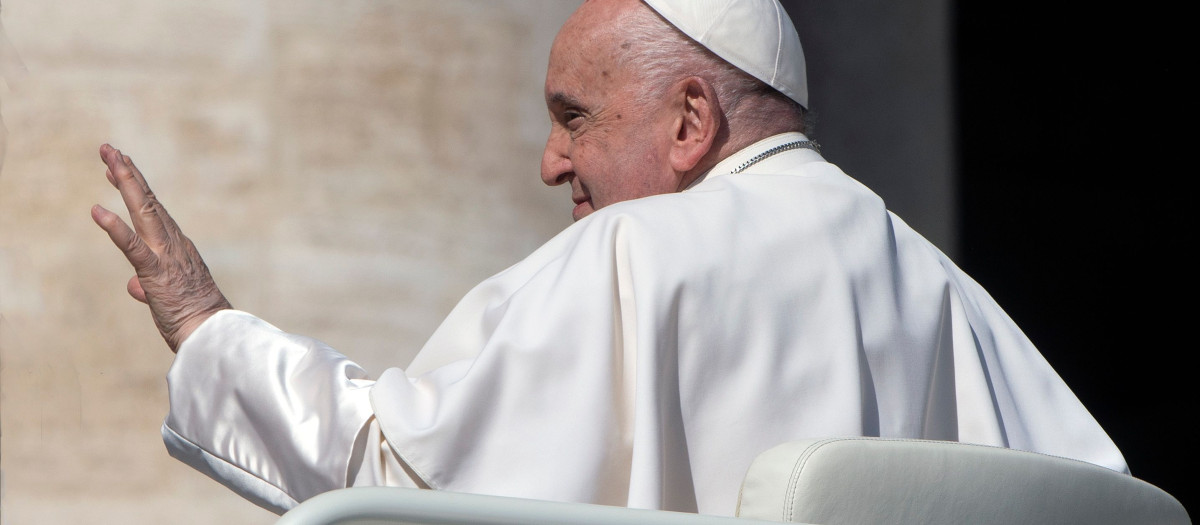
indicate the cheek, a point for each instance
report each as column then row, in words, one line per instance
column 626, row 179
column 642, row 173
column 614, row 170
column 591, row 160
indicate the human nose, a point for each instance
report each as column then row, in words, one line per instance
column 556, row 164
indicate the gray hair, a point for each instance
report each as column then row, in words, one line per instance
column 662, row 55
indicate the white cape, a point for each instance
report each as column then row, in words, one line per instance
column 643, row 357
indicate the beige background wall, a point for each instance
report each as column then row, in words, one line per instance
column 349, row 169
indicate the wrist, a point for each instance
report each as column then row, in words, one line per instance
column 189, row 325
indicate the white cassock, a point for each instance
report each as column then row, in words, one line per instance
column 643, row 357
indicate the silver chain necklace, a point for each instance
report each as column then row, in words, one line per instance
column 799, row 144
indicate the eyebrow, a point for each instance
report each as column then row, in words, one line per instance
column 562, row 99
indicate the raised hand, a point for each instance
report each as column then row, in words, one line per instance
column 171, row 276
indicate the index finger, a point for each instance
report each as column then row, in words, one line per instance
column 145, row 212
column 163, row 215
column 113, row 157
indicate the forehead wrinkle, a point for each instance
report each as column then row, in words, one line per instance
column 587, row 67
column 594, row 32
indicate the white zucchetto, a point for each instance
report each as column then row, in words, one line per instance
column 756, row 36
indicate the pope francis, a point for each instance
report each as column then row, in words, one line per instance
column 723, row 289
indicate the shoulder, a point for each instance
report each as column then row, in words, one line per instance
column 811, row 216
column 782, row 198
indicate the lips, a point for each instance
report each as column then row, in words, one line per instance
column 583, row 205
column 581, row 197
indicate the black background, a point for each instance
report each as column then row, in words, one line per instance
column 1072, row 134
column 1067, row 130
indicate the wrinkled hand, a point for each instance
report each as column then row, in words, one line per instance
column 170, row 275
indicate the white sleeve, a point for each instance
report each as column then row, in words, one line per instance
column 278, row 418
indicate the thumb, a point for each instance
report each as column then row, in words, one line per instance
column 135, row 289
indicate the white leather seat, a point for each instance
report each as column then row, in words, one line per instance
column 386, row 505
column 872, row 480
column 825, row 481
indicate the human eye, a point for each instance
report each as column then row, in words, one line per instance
column 572, row 120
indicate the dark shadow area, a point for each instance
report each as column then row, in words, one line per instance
column 1071, row 142
column 880, row 81
column 1059, row 172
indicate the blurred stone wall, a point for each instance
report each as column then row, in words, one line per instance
column 349, row 169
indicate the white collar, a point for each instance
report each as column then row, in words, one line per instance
column 727, row 165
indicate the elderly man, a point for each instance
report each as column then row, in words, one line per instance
column 724, row 289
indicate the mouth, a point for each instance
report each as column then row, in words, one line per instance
column 583, row 205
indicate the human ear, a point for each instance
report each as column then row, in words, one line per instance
column 698, row 118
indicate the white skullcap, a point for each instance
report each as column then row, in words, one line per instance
column 755, row 36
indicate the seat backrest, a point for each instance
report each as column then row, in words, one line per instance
column 876, row 481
